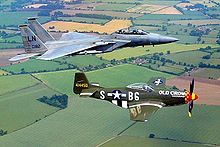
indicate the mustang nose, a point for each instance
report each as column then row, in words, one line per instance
column 189, row 97
column 194, row 96
column 165, row 39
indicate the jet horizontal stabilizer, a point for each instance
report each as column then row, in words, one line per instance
column 23, row 56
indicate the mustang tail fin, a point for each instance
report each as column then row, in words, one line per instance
column 38, row 29
column 81, row 82
column 82, row 86
column 32, row 44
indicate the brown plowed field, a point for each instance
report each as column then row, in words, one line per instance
column 208, row 90
column 7, row 54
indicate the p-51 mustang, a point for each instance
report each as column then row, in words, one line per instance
column 38, row 42
column 141, row 99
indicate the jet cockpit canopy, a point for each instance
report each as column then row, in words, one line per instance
column 132, row 31
column 141, row 86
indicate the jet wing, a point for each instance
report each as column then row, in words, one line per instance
column 141, row 112
column 76, row 36
column 117, row 44
column 80, row 46
column 23, row 56
column 70, row 49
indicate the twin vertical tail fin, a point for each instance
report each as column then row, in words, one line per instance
column 31, row 42
column 38, row 29
column 33, row 36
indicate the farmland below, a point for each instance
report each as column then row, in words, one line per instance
column 79, row 111
column 29, row 118
column 19, row 104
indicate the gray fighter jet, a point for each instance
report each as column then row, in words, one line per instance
column 38, row 42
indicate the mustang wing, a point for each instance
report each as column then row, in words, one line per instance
column 141, row 112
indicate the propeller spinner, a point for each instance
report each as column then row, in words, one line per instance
column 190, row 97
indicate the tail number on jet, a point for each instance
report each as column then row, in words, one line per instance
column 32, row 38
column 36, row 46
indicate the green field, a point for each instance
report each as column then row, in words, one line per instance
column 148, row 22
column 18, row 102
column 82, row 115
column 84, row 20
column 130, row 141
column 156, row 2
column 138, row 51
column 82, row 61
column 34, row 65
column 92, row 118
column 16, row 39
column 2, row 72
column 114, row 7
column 8, row 85
column 200, row 128
column 6, row 2
column 117, row 76
column 16, row 18
column 195, row 15
column 21, row 108
column 207, row 73
column 147, row 28
column 192, row 57
column 9, row 45
column 216, row 55
column 171, row 69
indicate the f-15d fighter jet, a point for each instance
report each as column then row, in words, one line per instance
column 38, row 42
column 142, row 99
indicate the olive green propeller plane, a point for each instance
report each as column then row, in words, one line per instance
column 142, row 99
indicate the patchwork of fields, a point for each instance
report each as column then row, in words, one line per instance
column 109, row 27
column 138, row 51
column 154, row 9
column 207, row 73
column 83, row 112
column 20, row 17
column 89, row 122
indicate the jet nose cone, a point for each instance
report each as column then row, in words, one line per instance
column 165, row 39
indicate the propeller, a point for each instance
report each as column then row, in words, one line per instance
column 191, row 87
column 190, row 97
